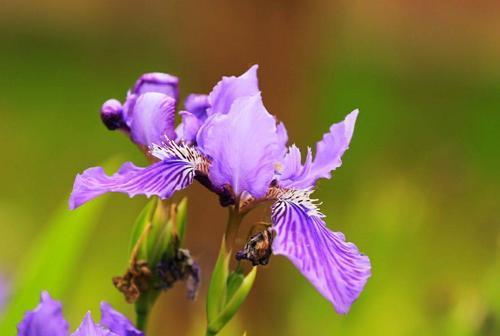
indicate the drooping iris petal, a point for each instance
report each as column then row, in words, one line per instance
column 328, row 156
column 151, row 117
column 231, row 88
column 157, row 82
column 117, row 322
column 243, row 146
column 45, row 320
column 89, row 328
column 335, row 267
column 176, row 171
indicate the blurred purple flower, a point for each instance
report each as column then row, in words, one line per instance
column 4, row 293
column 232, row 145
column 47, row 320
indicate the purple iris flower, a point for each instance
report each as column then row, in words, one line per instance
column 47, row 320
column 239, row 151
column 148, row 113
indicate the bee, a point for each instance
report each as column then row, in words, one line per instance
column 258, row 248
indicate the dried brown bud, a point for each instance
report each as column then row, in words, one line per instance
column 134, row 282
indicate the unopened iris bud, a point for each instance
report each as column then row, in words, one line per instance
column 157, row 260
column 112, row 114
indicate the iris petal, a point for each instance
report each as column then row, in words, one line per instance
column 328, row 156
column 151, row 117
column 243, row 146
column 117, row 322
column 189, row 127
column 335, row 267
column 176, row 171
column 197, row 104
column 231, row 88
column 45, row 320
column 89, row 328
column 157, row 82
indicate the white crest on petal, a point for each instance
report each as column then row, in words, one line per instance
column 169, row 149
column 300, row 197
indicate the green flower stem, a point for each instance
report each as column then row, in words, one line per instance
column 142, row 314
column 143, row 309
column 232, row 226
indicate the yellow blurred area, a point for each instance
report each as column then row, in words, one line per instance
column 418, row 191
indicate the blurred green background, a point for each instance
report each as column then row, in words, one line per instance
column 417, row 192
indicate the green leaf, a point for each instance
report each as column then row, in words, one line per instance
column 233, row 283
column 234, row 303
column 141, row 222
column 52, row 261
column 160, row 237
column 217, row 288
column 182, row 219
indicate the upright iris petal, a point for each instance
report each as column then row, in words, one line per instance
column 243, row 146
column 117, row 322
column 193, row 117
column 197, row 104
column 189, row 127
column 157, row 82
column 335, row 267
column 151, row 117
column 45, row 320
column 231, row 88
column 328, row 156
column 89, row 328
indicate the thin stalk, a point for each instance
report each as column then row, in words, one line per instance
column 143, row 309
column 232, row 226
column 142, row 314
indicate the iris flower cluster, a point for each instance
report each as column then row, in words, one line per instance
column 231, row 144
column 47, row 320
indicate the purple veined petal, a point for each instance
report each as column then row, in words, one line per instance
column 157, row 82
column 328, row 156
column 243, row 146
column 117, row 322
column 189, row 127
column 176, row 171
column 197, row 104
column 89, row 328
column 335, row 267
column 231, row 88
column 151, row 117
column 45, row 320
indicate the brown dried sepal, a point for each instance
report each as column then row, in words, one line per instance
column 134, row 282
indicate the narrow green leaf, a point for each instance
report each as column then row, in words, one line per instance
column 52, row 261
column 140, row 223
column 160, row 237
column 234, row 303
column 217, row 287
column 182, row 219
column 233, row 283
